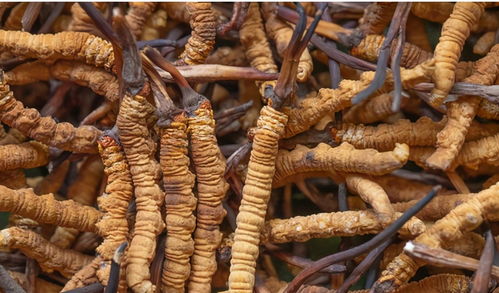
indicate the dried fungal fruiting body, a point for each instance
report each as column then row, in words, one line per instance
column 325, row 225
column 44, row 129
column 464, row 218
column 373, row 194
column 180, row 203
column 26, row 155
column 139, row 149
column 455, row 31
column 46, row 209
column 85, row 276
column 257, row 48
column 113, row 226
column 76, row 46
column 209, row 165
column 462, row 112
column 370, row 45
column 203, row 25
column 256, row 193
column 344, row 158
column 485, row 43
column 98, row 80
column 137, row 16
column 439, row 283
column 281, row 33
column 48, row 256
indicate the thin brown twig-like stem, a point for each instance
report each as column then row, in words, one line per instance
column 482, row 274
column 364, row 266
column 443, row 258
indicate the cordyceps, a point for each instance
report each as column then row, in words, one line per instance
column 137, row 16
column 281, row 33
column 464, row 218
column 261, row 166
column 44, row 129
column 256, row 45
column 65, row 45
column 344, row 158
column 209, row 165
column 462, row 112
column 203, row 24
column 455, row 31
column 180, row 204
column 113, row 225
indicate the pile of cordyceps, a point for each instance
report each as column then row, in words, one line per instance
column 249, row 147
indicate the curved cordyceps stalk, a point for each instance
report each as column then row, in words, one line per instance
column 27, row 155
column 374, row 195
column 98, row 80
column 455, row 31
column 257, row 48
column 46, row 209
column 85, row 276
column 370, row 46
column 204, row 30
column 47, row 255
column 281, row 33
column 464, row 218
column 462, row 112
column 44, row 129
column 329, row 160
column 180, row 204
column 261, row 166
column 137, row 15
column 76, row 46
column 325, row 225
column 113, row 226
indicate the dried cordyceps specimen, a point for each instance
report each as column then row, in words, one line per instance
column 281, row 33
column 383, row 137
column 76, row 46
column 137, row 16
column 48, row 256
column 53, row 181
column 203, row 23
column 370, row 45
column 46, row 209
column 485, row 43
column 256, row 46
column 98, row 80
column 461, row 113
column 464, row 218
column 455, row 30
column 180, row 203
column 85, row 276
column 344, row 158
column 113, row 226
column 373, row 194
column 44, row 129
column 132, row 123
column 81, row 22
column 26, row 155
